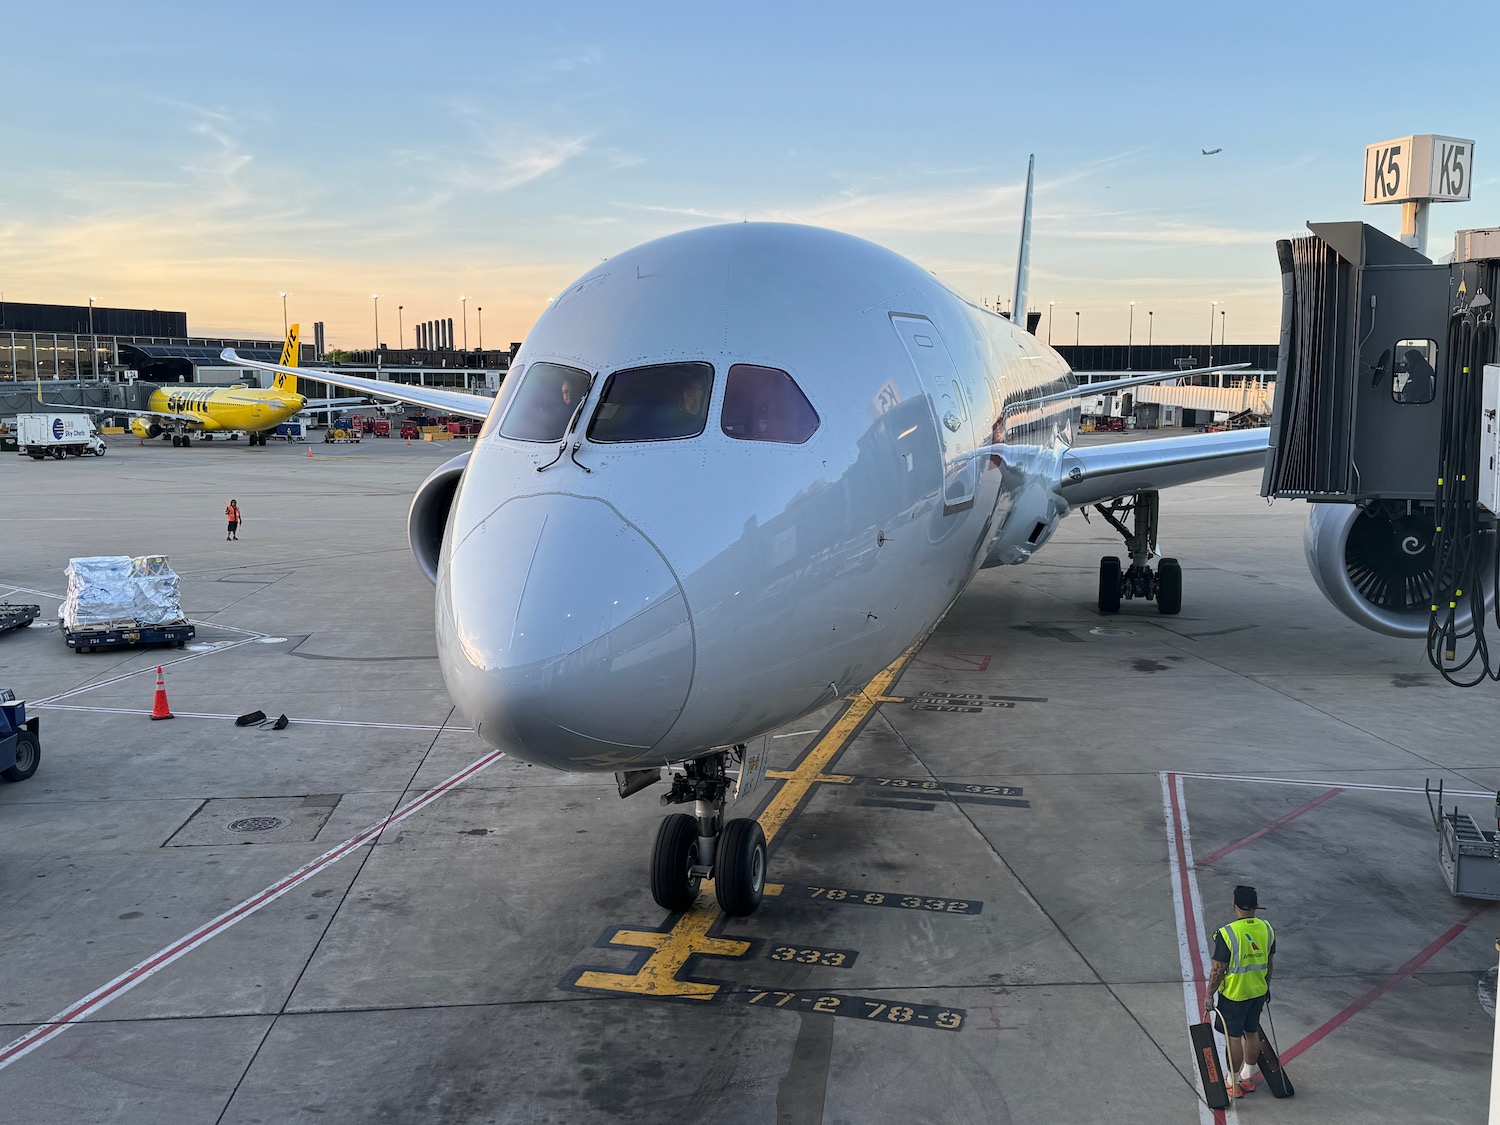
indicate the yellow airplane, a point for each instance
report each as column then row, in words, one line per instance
column 179, row 414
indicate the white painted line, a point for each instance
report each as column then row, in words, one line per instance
column 77, row 1012
column 1332, row 784
column 139, row 672
column 210, row 715
column 1192, row 952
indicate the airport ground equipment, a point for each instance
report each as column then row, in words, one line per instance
column 1210, row 1066
column 290, row 431
column 20, row 738
column 1379, row 421
column 17, row 616
column 1468, row 854
column 115, row 601
column 39, row 436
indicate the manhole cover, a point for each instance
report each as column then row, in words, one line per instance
column 1108, row 631
column 257, row 824
column 234, row 821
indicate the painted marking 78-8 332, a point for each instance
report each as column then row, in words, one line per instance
column 850, row 897
column 859, row 1007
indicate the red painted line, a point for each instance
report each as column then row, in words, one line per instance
column 1381, row 989
column 1189, row 911
column 76, row 1012
column 1250, row 839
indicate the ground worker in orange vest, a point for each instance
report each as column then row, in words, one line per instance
column 1242, row 976
column 232, row 514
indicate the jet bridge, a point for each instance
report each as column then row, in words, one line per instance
column 1378, row 421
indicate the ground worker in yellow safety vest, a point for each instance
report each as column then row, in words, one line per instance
column 1242, row 977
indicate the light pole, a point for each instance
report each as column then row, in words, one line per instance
column 1130, row 336
column 1077, row 328
column 93, row 339
column 1223, row 319
column 1049, row 322
column 464, row 301
column 376, row 298
column 283, row 315
column 481, row 328
column 1212, row 308
column 400, row 331
column 1150, row 323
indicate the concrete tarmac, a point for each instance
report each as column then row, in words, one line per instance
column 996, row 869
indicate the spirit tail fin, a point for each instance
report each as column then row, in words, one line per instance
column 289, row 353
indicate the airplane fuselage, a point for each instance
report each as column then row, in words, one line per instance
column 227, row 408
column 617, row 604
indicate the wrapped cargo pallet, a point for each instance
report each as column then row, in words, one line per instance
column 110, row 590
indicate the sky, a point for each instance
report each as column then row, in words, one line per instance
column 207, row 158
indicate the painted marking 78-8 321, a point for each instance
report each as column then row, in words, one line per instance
column 859, row 1007
column 850, row 897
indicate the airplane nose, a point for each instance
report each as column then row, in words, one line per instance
column 564, row 636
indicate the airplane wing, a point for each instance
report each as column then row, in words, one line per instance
column 448, row 402
column 1086, row 390
column 114, row 410
column 1092, row 474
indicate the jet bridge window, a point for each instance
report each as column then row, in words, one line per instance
column 765, row 404
column 1414, row 371
column 656, row 403
column 544, row 402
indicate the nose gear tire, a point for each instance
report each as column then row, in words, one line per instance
column 672, row 859
column 740, row 874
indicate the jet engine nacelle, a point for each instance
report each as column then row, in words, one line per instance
column 1376, row 565
column 428, row 517
column 144, row 429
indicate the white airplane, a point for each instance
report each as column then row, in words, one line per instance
column 733, row 473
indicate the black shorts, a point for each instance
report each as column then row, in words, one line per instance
column 1240, row 1016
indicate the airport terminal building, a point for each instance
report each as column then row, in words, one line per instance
column 117, row 349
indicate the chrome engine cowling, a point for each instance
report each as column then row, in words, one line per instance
column 1377, row 564
column 427, row 518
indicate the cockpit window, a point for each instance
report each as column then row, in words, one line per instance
column 656, row 403
column 502, row 403
column 765, row 404
column 544, row 402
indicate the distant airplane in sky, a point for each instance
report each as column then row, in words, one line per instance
column 1211, row 151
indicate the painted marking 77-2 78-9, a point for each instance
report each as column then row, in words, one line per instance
column 858, row 1007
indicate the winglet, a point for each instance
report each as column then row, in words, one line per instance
column 1023, row 260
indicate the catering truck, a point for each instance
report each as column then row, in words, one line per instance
column 57, row 435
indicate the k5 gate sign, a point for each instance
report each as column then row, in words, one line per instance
column 1419, row 168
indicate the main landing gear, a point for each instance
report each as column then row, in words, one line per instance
column 1162, row 585
column 690, row 849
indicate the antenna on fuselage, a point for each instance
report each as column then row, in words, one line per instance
column 1023, row 259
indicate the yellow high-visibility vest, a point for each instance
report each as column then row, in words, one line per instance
column 1249, row 941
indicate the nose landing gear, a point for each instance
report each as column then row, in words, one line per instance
column 689, row 849
column 1162, row 585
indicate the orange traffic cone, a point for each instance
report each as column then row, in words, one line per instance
column 159, row 708
column 408, row 441
column 309, row 452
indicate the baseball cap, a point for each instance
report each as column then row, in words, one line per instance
column 1245, row 898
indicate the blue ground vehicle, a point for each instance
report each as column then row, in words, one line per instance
column 20, row 739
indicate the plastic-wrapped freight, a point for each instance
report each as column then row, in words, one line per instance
column 111, row 589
